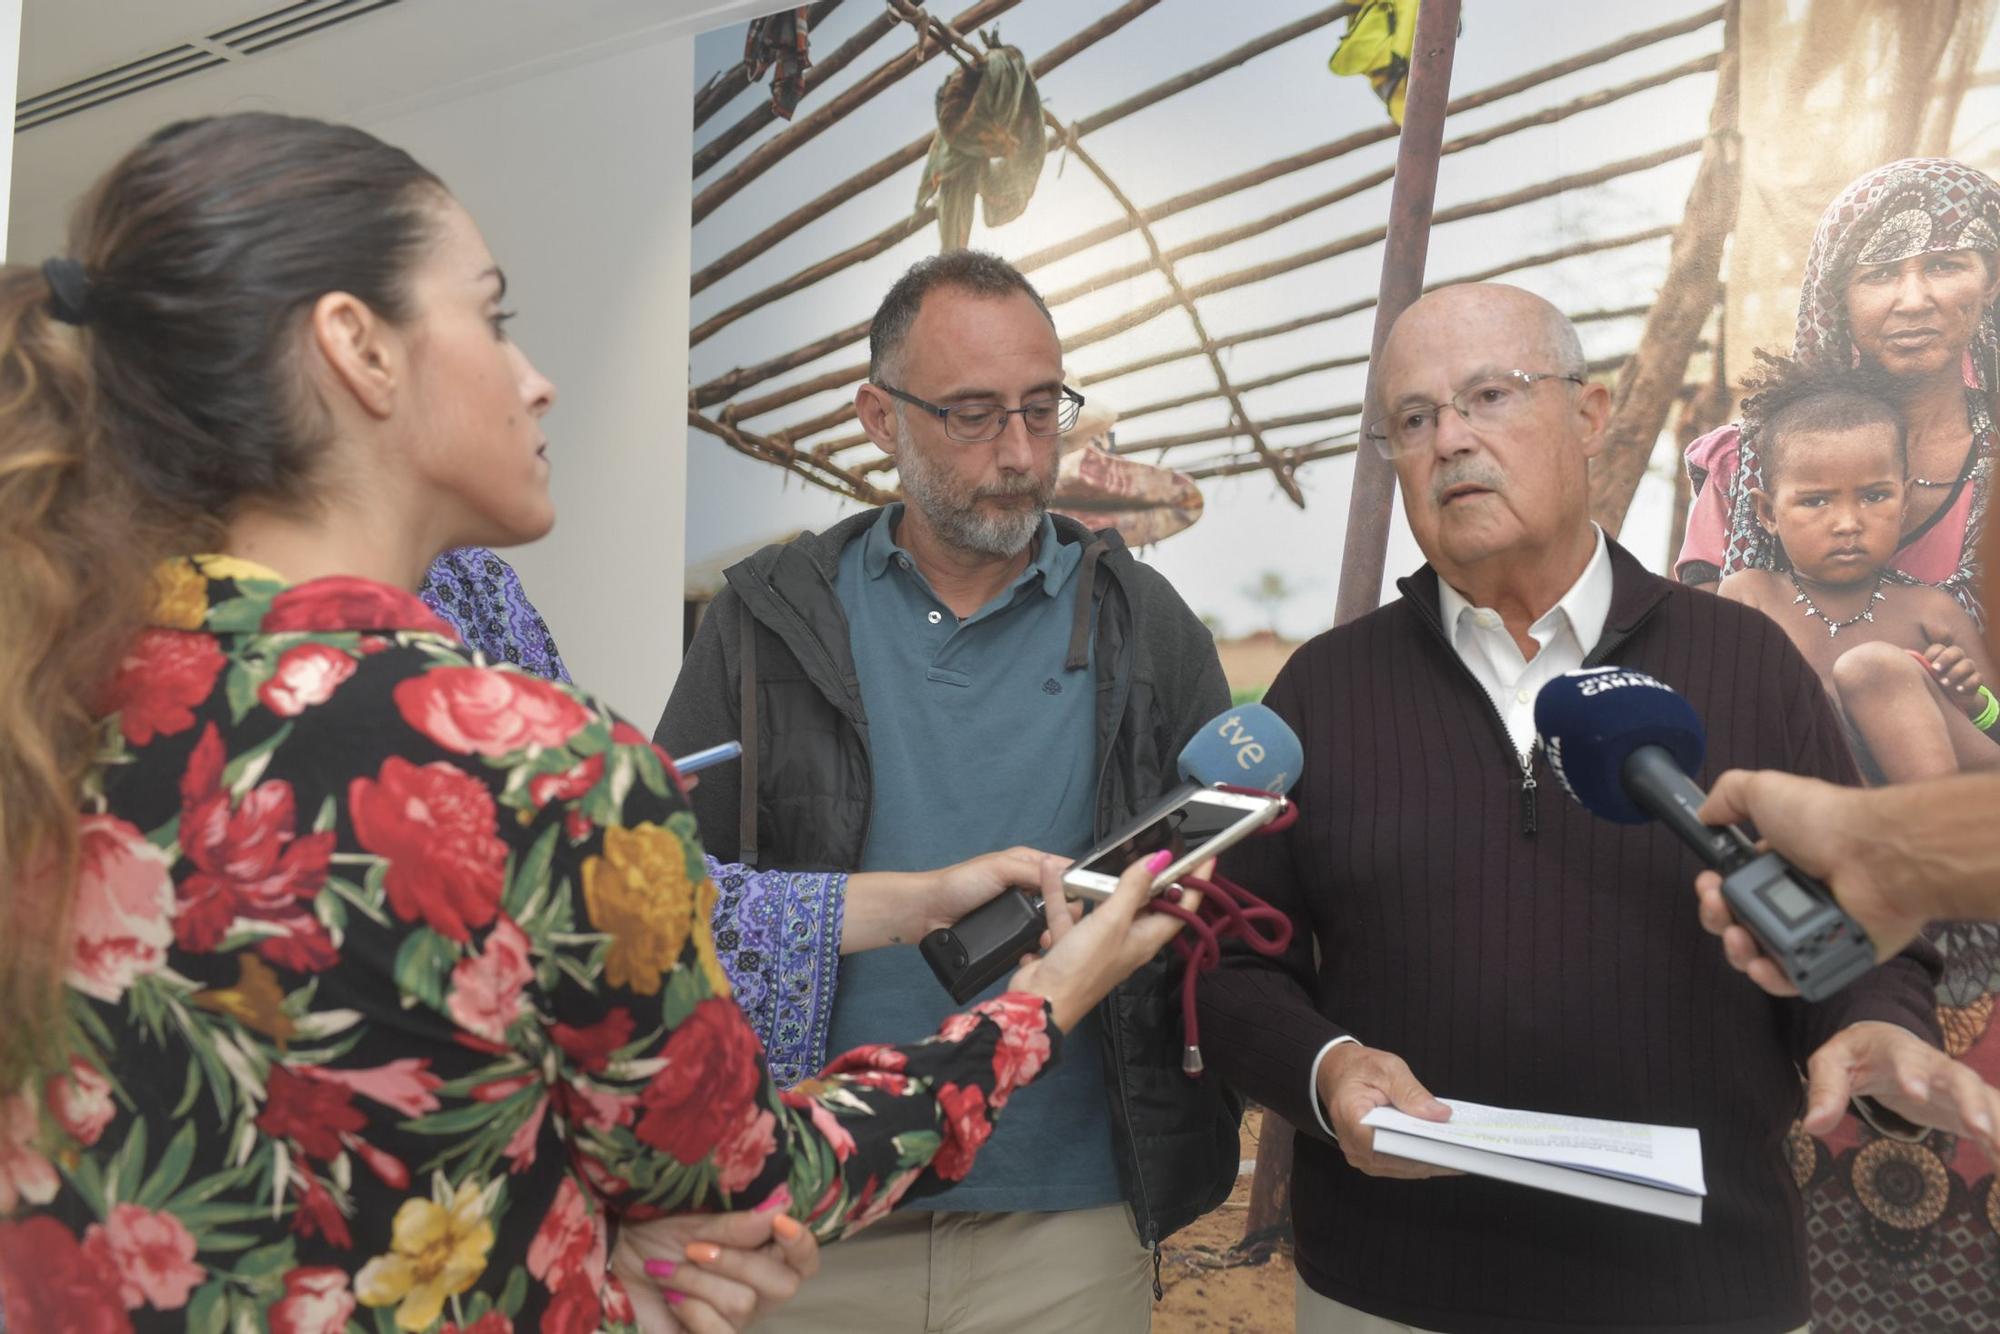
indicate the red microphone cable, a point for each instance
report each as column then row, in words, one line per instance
column 1226, row 911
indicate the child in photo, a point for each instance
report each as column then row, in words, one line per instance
column 1903, row 661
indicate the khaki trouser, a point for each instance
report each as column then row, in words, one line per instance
column 917, row 1272
column 1324, row 1315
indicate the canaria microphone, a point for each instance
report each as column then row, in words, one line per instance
column 1625, row 746
column 1248, row 746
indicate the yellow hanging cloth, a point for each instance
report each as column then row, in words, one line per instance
column 1379, row 38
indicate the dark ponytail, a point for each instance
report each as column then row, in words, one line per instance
column 151, row 384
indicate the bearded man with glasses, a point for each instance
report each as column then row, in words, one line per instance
column 1462, row 928
column 937, row 678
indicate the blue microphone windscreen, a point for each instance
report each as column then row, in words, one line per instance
column 1246, row 746
column 1591, row 720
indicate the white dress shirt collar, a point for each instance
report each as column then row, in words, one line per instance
column 1566, row 634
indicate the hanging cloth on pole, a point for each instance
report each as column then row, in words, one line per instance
column 989, row 144
column 778, row 43
column 1377, row 44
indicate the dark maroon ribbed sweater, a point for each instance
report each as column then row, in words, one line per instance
column 1560, row 969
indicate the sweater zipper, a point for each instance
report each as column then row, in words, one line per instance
column 1606, row 646
column 1527, row 761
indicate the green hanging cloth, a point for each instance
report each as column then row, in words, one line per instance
column 1379, row 38
column 989, row 145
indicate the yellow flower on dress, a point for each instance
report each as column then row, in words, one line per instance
column 217, row 566
column 180, row 595
column 638, row 894
column 435, row 1251
column 256, row 1001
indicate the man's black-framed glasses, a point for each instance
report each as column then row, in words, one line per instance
column 1491, row 400
column 976, row 423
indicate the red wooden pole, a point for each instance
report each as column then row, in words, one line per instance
column 1410, row 201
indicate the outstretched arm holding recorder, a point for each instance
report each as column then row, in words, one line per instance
column 1895, row 857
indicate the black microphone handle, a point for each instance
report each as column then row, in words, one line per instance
column 1655, row 781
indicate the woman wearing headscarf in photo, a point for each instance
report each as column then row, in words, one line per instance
column 1902, row 276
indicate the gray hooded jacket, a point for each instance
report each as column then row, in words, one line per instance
column 772, row 665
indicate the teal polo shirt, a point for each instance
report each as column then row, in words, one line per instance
column 979, row 739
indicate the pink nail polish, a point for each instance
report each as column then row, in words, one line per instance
column 660, row 1268
column 1158, row 861
column 673, row 1298
column 768, row 1205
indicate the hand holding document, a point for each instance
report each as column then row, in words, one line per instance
column 1653, row 1169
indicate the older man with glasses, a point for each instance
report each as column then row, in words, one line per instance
column 1463, row 928
column 953, row 673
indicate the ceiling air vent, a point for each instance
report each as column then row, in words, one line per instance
column 240, row 41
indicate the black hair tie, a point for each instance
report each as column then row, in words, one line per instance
column 69, row 290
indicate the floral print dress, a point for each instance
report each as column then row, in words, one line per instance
column 392, row 983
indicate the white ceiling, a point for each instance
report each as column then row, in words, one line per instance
column 378, row 64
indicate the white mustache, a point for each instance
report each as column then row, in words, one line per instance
column 1477, row 472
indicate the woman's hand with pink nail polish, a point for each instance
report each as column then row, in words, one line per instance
column 713, row 1274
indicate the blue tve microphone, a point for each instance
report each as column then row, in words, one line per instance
column 1248, row 746
column 1625, row 746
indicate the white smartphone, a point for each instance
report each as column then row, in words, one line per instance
column 1195, row 825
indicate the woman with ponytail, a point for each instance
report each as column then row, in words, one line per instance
column 346, row 978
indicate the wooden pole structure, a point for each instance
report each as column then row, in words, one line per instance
column 1650, row 381
column 1403, row 255
column 1367, row 540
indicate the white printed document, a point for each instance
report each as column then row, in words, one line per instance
column 1654, row 1169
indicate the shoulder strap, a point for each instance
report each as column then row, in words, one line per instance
column 746, row 812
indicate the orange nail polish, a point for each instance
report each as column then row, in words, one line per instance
column 704, row 1252
column 787, row 1227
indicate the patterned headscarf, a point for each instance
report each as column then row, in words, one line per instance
column 1918, row 206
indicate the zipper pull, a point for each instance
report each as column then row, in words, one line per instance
column 1528, row 786
column 1159, row 1291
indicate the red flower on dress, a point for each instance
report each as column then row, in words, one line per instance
column 316, row 1301
column 250, row 863
column 81, row 1101
column 48, row 1281
column 486, row 711
column 486, row 988
column 740, row 1159
column 493, row 1322
column 343, row 602
column 311, row 1113
column 161, row 681
column 966, row 1126
column 872, row 1056
column 122, row 921
column 570, row 1242
column 1024, row 1042
column 574, row 1309
column 568, row 785
column 319, row 1215
column 435, row 825
column 150, row 1256
column 307, row 674
column 590, row 1049
column 710, row 1072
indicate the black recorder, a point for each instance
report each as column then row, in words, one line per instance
column 1624, row 745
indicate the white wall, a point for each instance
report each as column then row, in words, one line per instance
column 566, row 130
column 579, row 180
